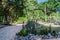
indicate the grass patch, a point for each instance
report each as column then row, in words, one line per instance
column 20, row 20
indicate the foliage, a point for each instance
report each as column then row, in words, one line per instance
column 23, row 32
column 29, row 8
column 20, row 20
column 42, row 31
column 54, row 33
column 37, row 31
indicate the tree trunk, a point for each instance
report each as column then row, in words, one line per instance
column 6, row 19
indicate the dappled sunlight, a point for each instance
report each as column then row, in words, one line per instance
column 48, row 24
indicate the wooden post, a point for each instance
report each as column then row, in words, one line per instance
column 23, row 25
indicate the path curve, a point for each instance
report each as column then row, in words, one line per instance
column 9, row 32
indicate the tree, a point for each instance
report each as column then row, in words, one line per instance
column 12, row 9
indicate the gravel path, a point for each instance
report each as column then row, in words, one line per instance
column 48, row 24
column 9, row 32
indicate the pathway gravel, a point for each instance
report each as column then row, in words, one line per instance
column 9, row 32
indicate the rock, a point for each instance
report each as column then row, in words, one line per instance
column 36, row 37
column 58, row 33
column 49, row 35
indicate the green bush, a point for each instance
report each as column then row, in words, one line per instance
column 38, row 31
column 23, row 32
column 43, row 31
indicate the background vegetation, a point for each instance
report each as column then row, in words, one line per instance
column 17, row 11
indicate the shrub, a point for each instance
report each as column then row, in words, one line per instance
column 38, row 31
column 23, row 32
column 54, row 33
column 43, row 31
